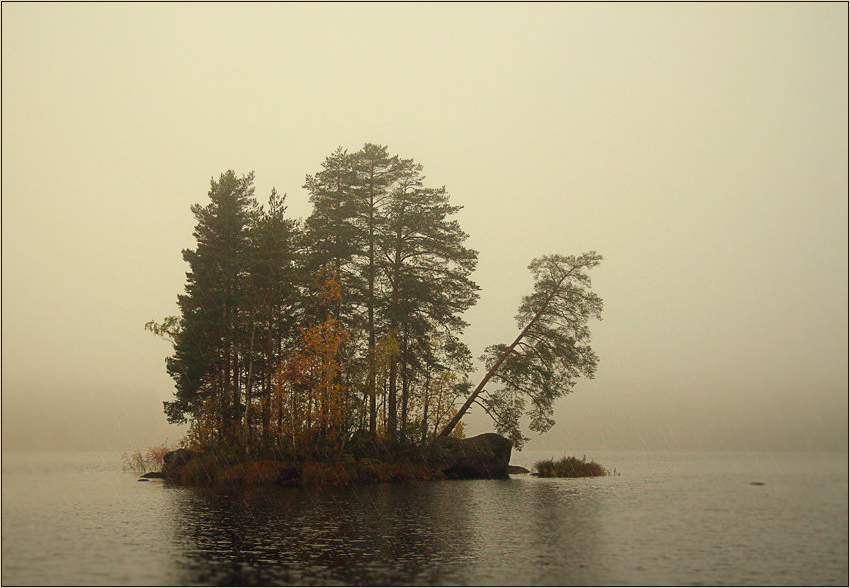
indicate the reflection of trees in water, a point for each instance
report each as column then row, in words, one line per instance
column 385, row 534
column 566, row 529
column 530, row 531
column 516, row 532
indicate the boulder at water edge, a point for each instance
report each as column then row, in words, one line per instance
column 483, row 456
column 175, row 459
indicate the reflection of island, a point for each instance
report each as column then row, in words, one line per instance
column 360, row 535
column 466, row 532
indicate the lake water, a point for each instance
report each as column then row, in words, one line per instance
column 667, row 519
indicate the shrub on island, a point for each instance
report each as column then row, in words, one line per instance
column 568, row 467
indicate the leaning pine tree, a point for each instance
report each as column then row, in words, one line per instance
column 550, row 353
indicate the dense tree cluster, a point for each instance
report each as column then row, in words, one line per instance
column 340, row 333
column 315, row 336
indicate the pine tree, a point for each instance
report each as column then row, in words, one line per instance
column 376, row 172
column 205, row 364
column 246, row 367
column 551, row 351
column 311, row 399
column 427, row 269
column 332, row 235
column 273, row 301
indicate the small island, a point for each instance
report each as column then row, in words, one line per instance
column 482, row 456
column 328, row 350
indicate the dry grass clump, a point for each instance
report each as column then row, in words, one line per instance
column 149, row 461
column 569, row 467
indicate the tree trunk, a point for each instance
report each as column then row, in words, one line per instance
column 267, row 385
column 392, row 417
column 248, row 384
column 279, row 432
column 223, row 397
column 438, row 404
column 404, row 391
column 233, row 352
column 373, row 415
column 426, row 394
column 267, row 405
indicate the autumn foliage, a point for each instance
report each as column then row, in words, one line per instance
column 150, row 460
column 310, row 399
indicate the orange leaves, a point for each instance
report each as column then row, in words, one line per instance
column 320, row 372
column 330, row 287
column 309, row 390
column 318, row 361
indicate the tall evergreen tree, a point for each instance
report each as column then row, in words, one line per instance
column 402, row 270
column 272, row 288
column 376, row 172
column 205, row 364
column 427, row 269
column 332, row 235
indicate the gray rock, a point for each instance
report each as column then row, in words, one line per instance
column 483, row 456
column 152, row 475
column 512, row 469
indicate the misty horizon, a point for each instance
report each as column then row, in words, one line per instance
column 701, row 149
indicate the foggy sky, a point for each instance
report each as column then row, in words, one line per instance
column 701, row 149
